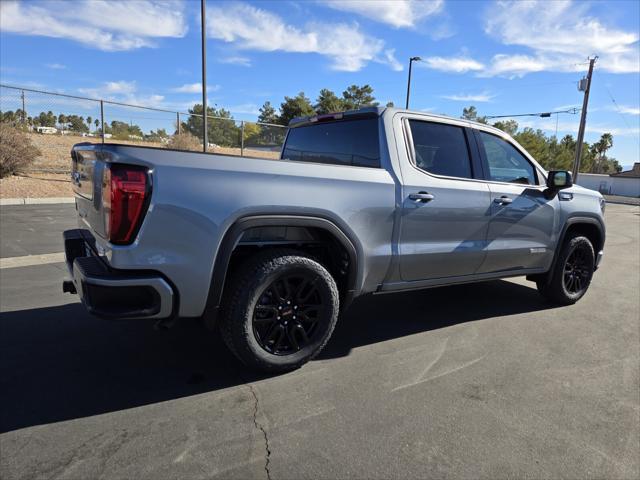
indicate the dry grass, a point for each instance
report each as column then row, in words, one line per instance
column 34, row 185
column 16, row 150
column 54, row 155
column 55, row 150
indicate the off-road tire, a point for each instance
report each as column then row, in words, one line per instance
column 246, row 288
column 554, row 288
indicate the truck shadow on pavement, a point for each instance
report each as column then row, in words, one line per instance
column 59, row 363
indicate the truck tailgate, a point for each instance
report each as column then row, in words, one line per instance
column 86, row 176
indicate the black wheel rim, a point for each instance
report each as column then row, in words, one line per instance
column 577, row 271
column 286, row 316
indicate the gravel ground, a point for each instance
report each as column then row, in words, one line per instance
column 35, row 185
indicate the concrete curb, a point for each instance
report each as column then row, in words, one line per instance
column 36, row 201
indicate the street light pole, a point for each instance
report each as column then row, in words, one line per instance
column 205, row 140
column 411, row 60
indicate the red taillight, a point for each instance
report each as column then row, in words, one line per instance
column 125, row 191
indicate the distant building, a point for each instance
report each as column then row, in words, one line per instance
column 626, row 184
column 47, row 130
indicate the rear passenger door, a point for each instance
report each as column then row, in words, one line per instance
column 445, row 210
column 521, row 231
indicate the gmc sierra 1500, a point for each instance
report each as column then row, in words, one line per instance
column 369, row 201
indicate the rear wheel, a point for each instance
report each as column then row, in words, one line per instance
column 572, row 273
column 280, row 310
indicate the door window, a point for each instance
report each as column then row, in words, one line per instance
column 505, row 162
column 441, row 149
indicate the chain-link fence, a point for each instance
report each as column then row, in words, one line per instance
column 56, row 121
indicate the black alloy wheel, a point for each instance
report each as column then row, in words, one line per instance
column 569, row 279
column 577, row 271
column 287, row 313
column 279, row 310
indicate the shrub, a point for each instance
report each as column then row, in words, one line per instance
column 185, row 141
column 16, row 150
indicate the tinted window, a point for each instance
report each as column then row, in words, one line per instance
column 441, row 149
column 506, row 164
column 350, row 142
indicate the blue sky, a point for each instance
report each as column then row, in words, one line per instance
column 503, row 57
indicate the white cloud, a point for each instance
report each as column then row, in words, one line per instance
column 453, row 64
column 397, row 13
column 245, row 108
column 390, row 59
column 123, row 91
column 560, row 36
column 100, row 24
column 195, row 88
column 252, row 28
column 629, row 110
column 55, row 66
column 470, row 97
column 236, row 60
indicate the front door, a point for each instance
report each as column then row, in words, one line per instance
column 445, row 212
column 521, row 232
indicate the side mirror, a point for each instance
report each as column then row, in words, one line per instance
column 559, row 179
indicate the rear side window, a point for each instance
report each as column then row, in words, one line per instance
column 349, row 142
column 506, row 163
column 441, row 149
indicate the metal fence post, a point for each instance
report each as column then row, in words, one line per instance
column 102, row 118
column 24, row 113
column 241, row 138
column 178, row 121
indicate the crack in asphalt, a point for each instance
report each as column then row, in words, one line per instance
column 259, row 426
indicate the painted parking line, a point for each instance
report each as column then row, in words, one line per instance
column 31, row 260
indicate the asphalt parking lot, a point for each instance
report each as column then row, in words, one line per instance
column 475, row 381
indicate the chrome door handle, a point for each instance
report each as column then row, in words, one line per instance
column 503, row 200
column 422, row 197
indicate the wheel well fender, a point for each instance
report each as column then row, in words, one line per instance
column 590, row 227
column 232, row 238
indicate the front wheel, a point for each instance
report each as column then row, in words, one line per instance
column 280, row 310
column 572, row 273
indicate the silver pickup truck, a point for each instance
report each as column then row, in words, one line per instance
column 371, row 201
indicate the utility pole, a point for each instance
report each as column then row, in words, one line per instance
column 411, row 60
column 583, row 117
column 205, row 140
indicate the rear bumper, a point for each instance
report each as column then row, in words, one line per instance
column 109, row 293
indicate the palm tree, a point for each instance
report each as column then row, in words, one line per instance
column 96, row 122
column 600, row 149
column 89, row 121
column 62, row 119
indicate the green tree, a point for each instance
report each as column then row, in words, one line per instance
column 471, row 113
column 390, row 105
column 62, row 119
column 76, row 124
column 292, row 107
column 355, row 97
column 221, row 130
column 507, row 126
column 89, row 121
column 96, row 122
column 328, row 102
column 268, row 114
column 599, row 150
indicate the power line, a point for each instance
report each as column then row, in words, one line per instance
column 572, row 111
column 617, row 107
